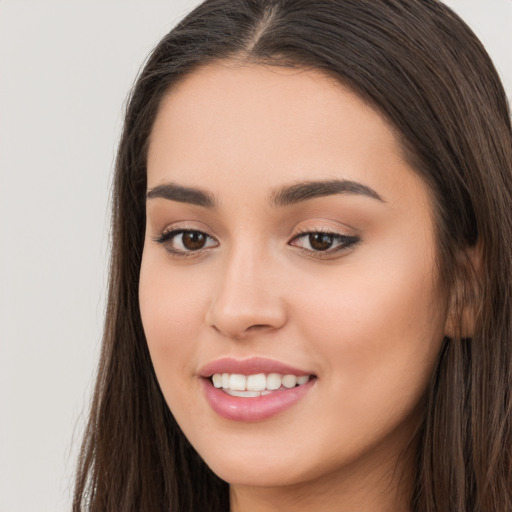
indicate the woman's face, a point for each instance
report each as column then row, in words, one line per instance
column 286, row 234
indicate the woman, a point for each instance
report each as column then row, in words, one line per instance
column 310, row 295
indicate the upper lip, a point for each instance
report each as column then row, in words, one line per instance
column 250, row 366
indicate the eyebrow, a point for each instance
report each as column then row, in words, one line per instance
column 313, row 189
column 285, row 196
column 181, row 194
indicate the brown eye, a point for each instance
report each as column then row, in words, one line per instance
column 321, row 241
column 193, row 240
column 183, row 242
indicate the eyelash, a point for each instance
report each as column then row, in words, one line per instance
column 167, row 236
column 345, row 242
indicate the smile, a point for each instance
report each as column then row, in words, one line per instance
column 253, row 389
column 259, row 384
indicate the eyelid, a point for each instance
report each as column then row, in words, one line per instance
column 348, row 241
column 166, row 236
column 328, row 230
column 342, row 241
column 171, row 233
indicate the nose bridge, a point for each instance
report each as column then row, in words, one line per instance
column 246, row 297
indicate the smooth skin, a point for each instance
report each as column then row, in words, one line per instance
column 244, row 278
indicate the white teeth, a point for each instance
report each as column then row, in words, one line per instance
column 256, row 382
column 302, row 379
column 217, row 380
column 246, row 394
column 273, row 381
column 236, row 384
column 289, row 381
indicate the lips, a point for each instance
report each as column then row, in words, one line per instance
column 228, row 385
column 250, row 366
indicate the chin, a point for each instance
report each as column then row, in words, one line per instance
column 261, row 473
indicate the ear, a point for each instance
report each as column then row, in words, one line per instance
column 465, row 297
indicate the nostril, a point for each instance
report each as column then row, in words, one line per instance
column 236, row 334
column 258, row 327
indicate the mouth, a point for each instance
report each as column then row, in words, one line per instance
column 259, row 384
column 254, row 389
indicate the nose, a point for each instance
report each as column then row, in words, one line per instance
column 248, row 298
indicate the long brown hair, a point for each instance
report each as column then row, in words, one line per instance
column 422, row 68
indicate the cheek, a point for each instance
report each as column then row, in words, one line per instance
column 378, row 324
column 173, row 307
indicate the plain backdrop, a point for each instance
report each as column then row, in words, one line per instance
column 65, row 69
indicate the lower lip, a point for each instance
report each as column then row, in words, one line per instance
column 258, row 408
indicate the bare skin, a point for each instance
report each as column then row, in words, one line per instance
column 240, row 274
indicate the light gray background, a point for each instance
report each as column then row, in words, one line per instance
column 65, row 69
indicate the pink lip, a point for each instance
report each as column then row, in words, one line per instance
column 252, row 409
column 250, row 366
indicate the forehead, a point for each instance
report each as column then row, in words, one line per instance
column 251, row 126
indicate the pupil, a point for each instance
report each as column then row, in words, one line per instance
column 193, row 240
column 320, row 241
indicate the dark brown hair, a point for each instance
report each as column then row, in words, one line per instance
column 423, row 69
